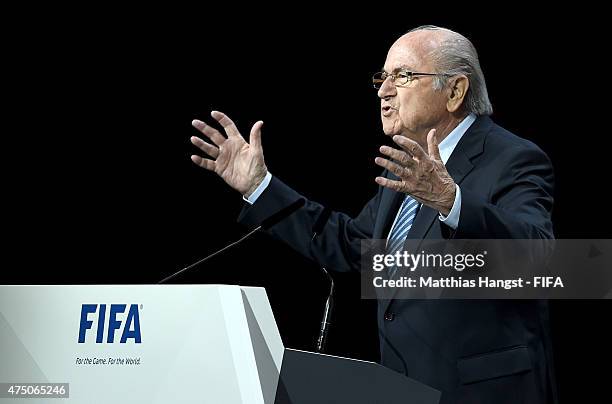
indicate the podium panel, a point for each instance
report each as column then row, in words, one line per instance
column 309, row 378
column 141, row 344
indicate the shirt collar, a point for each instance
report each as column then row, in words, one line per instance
column 449, row 143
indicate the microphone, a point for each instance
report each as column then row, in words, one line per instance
column 317, row 228
column 265, row 225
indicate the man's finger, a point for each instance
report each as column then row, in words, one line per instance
column 207, row 148
column 227, row 123
column 391, row 166
column 433, row 146
column 204, row 163
column 255, row 136
column 399, row 156
column 410, row 146
column 386, row 182
column 210, row 132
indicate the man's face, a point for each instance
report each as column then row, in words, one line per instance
column 413, row 109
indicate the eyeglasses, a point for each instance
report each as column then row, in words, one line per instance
column 401, row 78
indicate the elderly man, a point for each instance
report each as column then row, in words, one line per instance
column 454, row 173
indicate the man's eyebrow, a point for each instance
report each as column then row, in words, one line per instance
column 400, row 68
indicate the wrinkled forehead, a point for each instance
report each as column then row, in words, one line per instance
column 410, row 52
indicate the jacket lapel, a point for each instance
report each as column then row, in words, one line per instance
column 389, row 205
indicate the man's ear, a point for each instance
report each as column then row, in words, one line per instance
column 458, row 88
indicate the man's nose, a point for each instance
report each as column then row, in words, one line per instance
column 387, row 89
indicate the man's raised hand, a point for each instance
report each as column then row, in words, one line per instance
column 421, row 174
column 240, row 164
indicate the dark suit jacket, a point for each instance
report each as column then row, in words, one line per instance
column 474, row 351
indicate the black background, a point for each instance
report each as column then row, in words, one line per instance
column 99, row 187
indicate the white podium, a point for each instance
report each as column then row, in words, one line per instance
column 168, row 343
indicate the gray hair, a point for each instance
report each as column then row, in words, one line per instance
column 457, row 55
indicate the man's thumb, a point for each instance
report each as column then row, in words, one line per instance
column 255, row 136
column 432, row 145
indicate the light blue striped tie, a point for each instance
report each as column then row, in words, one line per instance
column 402, row 226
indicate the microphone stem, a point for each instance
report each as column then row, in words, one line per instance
column 329, row 304
column 209, row 257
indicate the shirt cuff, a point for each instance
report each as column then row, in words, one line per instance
column 452, row 220
column 258, row 191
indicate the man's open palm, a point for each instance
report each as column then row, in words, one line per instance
column 240, row 164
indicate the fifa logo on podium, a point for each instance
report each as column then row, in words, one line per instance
column 129, row 327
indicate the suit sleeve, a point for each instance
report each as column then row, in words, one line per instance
column 337, row 247
column 520, row 204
